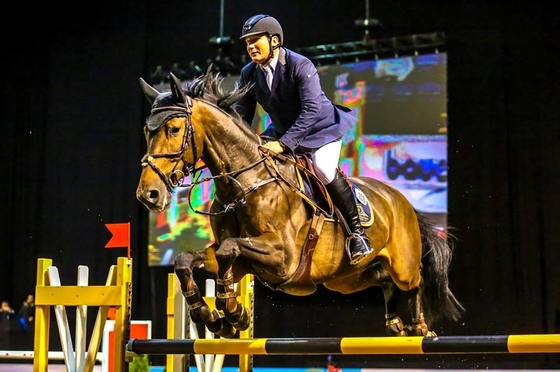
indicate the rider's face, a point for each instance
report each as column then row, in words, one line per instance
column 258, row 47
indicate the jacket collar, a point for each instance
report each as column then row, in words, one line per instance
column 282, row 56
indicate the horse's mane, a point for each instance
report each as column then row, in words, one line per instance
column 209, row 87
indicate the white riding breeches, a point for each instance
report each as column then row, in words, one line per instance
column 326, row 160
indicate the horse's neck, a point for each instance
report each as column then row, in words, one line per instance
column 228, row 147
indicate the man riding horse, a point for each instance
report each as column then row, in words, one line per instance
column 287, row 86
column 260, row 225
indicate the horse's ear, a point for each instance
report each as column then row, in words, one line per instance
column 150, row 92
column 176, row 90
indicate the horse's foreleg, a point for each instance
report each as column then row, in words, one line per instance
column 198, row 308
column 226, row 296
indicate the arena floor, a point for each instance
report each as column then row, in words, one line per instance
column 4, row 367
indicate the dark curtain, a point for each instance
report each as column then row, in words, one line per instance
column 72, row 142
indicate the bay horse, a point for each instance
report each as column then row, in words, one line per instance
column 263, row 224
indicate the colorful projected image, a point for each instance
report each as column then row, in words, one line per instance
column 401, row 106
column 416, row 165
column 183, row 226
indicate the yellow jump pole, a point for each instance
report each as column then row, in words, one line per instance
column 246, row 295
column 171, row 320
column 119, row 296
column 123, row 312
column 42, row 321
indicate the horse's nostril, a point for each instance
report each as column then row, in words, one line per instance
column 152, row 195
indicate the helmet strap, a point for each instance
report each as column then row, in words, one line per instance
column 271, row 49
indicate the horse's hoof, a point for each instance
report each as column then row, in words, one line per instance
column 419, row 330
column 214, row 323
column 243, row 320
column 220, row 326
column 226, row 331
column 395, row 327
column 410, row 331
column 418, row 327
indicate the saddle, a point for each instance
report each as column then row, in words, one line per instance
column 315, row 193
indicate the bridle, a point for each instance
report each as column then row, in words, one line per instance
column 176, row 176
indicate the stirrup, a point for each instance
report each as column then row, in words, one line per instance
column 356, row 257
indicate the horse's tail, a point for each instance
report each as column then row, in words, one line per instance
column 438, row 300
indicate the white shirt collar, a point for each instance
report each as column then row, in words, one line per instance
column 272, row 63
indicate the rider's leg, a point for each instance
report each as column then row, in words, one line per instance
column 343, row 197
column 326, row 161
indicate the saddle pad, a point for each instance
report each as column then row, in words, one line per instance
column 364, row 208
column 362, row 203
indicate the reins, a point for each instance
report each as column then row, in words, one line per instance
column 177, row 176
column 228, row 207
column 289, row 159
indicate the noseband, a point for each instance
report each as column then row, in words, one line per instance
column 177, row 175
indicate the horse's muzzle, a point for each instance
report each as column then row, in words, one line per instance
column 153, row 198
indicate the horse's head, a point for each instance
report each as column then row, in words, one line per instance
column 171, row 145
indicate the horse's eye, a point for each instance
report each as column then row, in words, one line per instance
column 174, row 130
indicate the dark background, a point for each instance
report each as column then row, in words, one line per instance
column 71, row 143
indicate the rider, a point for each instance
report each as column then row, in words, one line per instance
column 303, row 119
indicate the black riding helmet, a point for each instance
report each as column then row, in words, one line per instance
column 260, row 24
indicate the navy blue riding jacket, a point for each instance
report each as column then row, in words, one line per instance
column 303, row 118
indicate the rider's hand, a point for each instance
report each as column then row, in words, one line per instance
column 274, row 146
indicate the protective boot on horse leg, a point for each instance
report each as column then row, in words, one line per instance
column 357, row 243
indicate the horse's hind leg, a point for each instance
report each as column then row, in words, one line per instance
column 418, row 326
column 198, row 308
column 394, row 326
column 375, row 275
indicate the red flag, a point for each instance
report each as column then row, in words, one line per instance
column 121, row 235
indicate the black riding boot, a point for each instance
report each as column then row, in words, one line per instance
column 357, row 244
